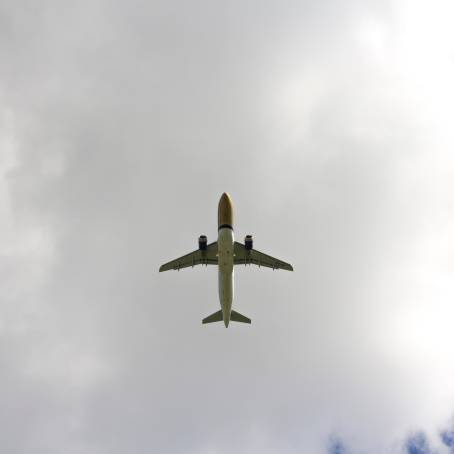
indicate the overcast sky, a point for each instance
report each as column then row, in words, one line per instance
column 329, row 123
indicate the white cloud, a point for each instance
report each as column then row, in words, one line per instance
column 330, row 126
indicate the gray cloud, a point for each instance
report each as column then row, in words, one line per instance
column 121, row 127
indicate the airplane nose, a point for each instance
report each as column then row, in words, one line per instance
column 225, row 211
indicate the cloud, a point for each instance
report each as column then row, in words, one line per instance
column 336, row 446
column 121, row 126
column 418, row 444
column 447, row 436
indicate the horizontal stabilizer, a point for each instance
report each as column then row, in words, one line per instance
column 237, row 317
column 216, row 317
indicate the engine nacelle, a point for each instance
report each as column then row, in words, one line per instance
column 203, row 242
column 248, row 242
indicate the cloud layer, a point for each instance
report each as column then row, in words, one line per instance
column 328, row 124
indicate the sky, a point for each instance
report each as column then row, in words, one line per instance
column 330, row 125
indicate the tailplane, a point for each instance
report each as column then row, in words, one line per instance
column 216, row 317
column 234, row 317
column 237, row 317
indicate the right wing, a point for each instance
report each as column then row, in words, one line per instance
column 209, row 256
column 244, row 256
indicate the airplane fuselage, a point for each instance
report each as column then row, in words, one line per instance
column 225, row 256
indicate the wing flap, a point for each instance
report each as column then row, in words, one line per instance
column 199, row 257
column 244, row 256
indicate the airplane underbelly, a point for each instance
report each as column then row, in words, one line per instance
column 226, row 290
column 225, row 264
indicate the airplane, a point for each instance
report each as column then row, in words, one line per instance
column 226, row 252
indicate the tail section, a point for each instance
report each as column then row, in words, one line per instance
column 237, row 317
column 216, row 317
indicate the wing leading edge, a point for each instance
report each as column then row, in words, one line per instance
column 209, row 256
column 244, row 256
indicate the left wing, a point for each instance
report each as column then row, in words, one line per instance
column 209, row 256
column 244, row 256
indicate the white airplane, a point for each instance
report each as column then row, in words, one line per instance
column 226, row 252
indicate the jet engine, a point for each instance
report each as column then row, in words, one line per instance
column 202, row 242
column 248, row 242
